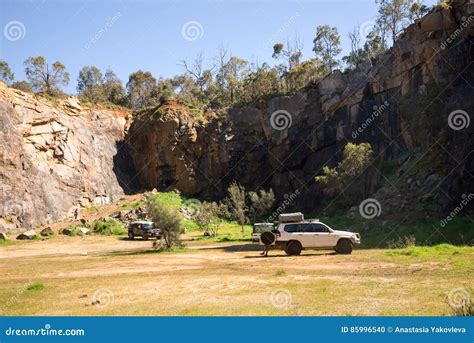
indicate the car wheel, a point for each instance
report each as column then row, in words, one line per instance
column 145, row 236
column 293, row 248
column 130, row 235
column 344, row 246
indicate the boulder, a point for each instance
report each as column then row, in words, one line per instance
column 83, row 230
column 3, row 236
column 47, row 231
column 67, row 231
column 31, row 234
column 438, row 20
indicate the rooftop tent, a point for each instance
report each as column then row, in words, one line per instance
column 291, row 217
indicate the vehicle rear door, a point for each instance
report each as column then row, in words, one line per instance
column 320, row 235
column 302, row 234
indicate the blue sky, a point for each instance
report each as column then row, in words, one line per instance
column 130, row 35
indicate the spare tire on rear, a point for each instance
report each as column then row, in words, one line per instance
column 268, row 238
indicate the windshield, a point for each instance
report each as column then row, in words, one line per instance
column 262, row 228
column 147, row 226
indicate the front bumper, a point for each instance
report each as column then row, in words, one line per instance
column 153, row 233
column 355, row 239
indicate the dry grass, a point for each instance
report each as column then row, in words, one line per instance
column 224, row 279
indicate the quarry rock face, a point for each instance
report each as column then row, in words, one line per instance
column 58, row 155
column 171, row 151
column 55, row 156
column 387, row 102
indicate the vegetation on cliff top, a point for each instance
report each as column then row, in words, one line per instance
column 229, row 79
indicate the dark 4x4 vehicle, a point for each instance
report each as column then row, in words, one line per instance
column 143, row 229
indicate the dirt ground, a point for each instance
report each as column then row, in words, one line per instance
column 100, row 275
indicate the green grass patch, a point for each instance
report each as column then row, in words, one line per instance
column 383, row 232
column 35, row 286
column 228, row 232
column 108, row 228
column 280, row 272
column 169, row 199
column 426, row 251
column 132, row 206
column 5, row 242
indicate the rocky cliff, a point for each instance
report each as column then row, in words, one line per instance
column 55, row 156
column 400, row 103
column 414, row 105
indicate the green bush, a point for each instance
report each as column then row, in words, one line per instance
column 109, row 227
column 168, row 220
column 35, row 286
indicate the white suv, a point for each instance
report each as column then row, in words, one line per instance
column 295, row 236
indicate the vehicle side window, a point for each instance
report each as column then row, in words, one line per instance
column 291, row 228
column 318, row 228
column 305, row 228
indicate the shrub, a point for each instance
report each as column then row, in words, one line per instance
column 356, row 160
column 280, row 272
column 262, row 202
column 405, row 242
column 208, row 218
column 35, row 286
column 237, row 204
column 109, row 227
column 167, row 220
